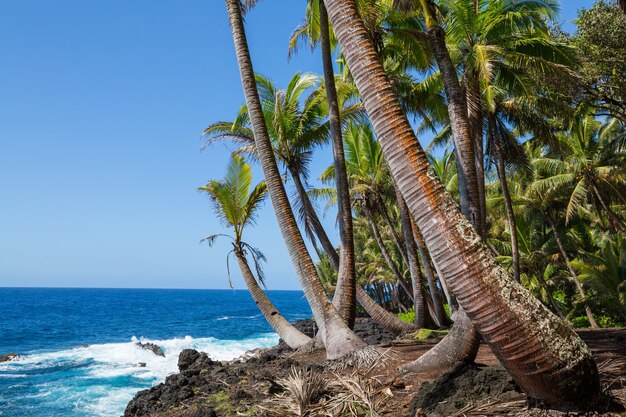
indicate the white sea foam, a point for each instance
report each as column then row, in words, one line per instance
column 93, row 385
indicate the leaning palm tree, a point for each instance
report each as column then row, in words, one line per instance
column 297, row 125
column 236, row 205
column 337, row 337
column 547, row 359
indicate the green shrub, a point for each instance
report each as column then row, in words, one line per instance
column 409, row 316
column 581, row 322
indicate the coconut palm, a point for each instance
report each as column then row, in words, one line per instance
column 297, row 126
column 547, row 359
column 587, row 168
column 337, row 337
column 605, row 274
column 236, row 204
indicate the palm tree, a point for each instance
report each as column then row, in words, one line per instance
column 337, row 337
column 547, row 359
column 587, row 168
column 345, row 294
column 236, row 205
column 297, row 126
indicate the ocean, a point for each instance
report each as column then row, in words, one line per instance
column 77, row 346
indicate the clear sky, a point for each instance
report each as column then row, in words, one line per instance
column 101, row 108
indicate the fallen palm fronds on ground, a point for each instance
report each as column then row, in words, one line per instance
column 308, row 394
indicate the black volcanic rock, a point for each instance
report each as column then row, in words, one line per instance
column 152, row 348
column 9, row 357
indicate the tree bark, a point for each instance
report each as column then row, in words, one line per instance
column 381, row 316
column 382, row 209
column 383, row 250
column 327, row 245
column 574, row 276
column 337, row 337
column 469, row 192
column 459, row 123
column 345, row 296
column 545, row 357
column 413, row 262
column 440, row 315
column 475, row 120
column 508, row 203
column 292, row 336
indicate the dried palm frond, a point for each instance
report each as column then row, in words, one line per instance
column 303, row 389
column 368, row 357
column 356, row 395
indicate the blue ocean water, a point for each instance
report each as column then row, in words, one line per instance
column 78, row 350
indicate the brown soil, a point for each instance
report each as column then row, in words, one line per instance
column 211, row 389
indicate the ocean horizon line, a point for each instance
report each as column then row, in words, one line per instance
column 141, row 288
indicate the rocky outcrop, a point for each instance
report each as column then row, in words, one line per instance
column 207, row 388
column 9, row 357
column 199, row 377
column 151, row 347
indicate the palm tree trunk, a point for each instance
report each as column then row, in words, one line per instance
column 469, row 192
column 337, row 337
column 382, row 209
column 440, row 315
column 388, row 321
column 545, row 357
column 345, row 296
column 314, row 220
column 383, row 250
column 475, row 120
column 574, row 276
column 459, row 122
column 615, row 221
column 413, row 262
column 292, row 336
column 508, row 203
column 443, row 356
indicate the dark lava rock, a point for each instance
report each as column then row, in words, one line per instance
column 463, row 385
column 151, row 347
column 366, row 328
column 9, row 357
column 371, row 332
column 198, row 375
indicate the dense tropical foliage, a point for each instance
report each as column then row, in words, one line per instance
column 529, row 137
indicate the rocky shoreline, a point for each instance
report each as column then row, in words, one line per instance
column 258, row 383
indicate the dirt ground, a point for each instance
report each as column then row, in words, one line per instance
column 607, row 345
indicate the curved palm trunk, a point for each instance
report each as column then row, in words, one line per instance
column 292, row 336
column 443, row 356
column 314, row 220
column 574, row 276
column 545, row 357
column 439, row 312
column 413, row 263
column 337, row 337
column 381, row 316
column 466, row 163
column 345, row 295
column 508, row 203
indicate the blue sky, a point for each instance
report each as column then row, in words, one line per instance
column 101, row 109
